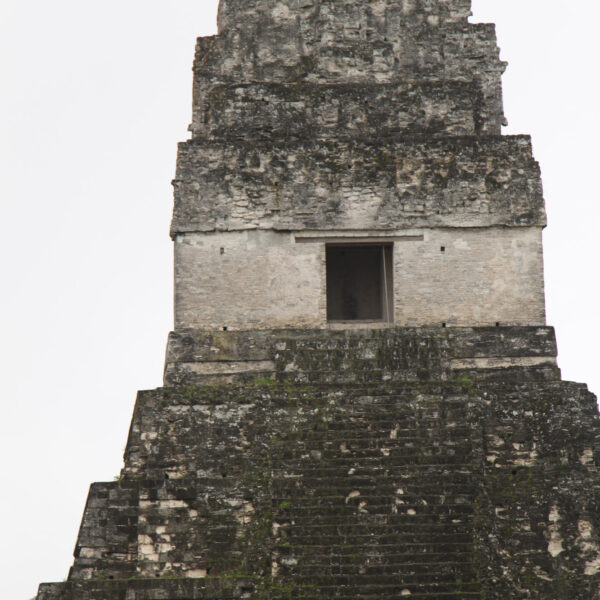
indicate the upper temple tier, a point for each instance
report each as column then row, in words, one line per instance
column 297, row 103
column 346, row 168
column 318, row 68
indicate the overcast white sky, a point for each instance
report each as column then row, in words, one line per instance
column 95, row 96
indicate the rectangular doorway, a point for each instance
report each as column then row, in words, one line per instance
column 359, row 282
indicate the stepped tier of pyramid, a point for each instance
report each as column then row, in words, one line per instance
column 361, row 393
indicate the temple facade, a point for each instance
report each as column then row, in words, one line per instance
column 354, row 125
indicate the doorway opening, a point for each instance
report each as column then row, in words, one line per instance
column 359, row 282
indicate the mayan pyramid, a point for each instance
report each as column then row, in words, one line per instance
column 361, row 395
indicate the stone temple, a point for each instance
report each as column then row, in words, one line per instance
column 361, row 395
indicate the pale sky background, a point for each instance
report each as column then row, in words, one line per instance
column 95, row 96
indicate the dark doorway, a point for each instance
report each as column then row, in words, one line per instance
column 359, row 282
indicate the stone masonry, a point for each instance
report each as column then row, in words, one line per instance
column 370, row 120
column 361, row 394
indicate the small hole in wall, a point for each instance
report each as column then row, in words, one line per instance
column 222, row 250
column 208, row 571
column 166, row 476
column 442, row 248
column 157, row 575
column 223, row 475
column 111, row 576
column 514, row 471
column 497, row 323
column 443, row 324
column 225, row 328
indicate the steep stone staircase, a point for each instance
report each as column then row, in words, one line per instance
column 359, row 466
column 376, row 501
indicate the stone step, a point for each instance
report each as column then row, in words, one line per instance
column 446, row 437
column 357, row 594
column 393, row 540
column 396, row 477
column 307, row 540
column 444, row 573
column 392, row 593
column 345, row 548
column 425, row 439
column 349, row 546
column 365, row 513
column 378, row 572
column 398, row 519
column 347, row 495
column 437, row 395
column 359, row 394
column 369, row 520
column 387, row 420
column 416, row 440
column 376, row 447
column 341, row 359
column 288, row 460
column 356, row 405
column 355, row 554
column 359, row 590
column 392, row 457
column 376, row 481
column 459, row 474
column 367, row 374
column 390, row 573
column 335, row 541
column 349, row 503
column 449, row 435
column 531, row 374
column 377, row 462
column 227, row 588
column 400, row 589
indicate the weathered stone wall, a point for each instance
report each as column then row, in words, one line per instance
column 248, row 279
column 361, row 355
column 483, row 277
column 262, row 279
column 361, row 43
column 108, row 536
column 384, row 184
column 537, row 524
column 293, row 110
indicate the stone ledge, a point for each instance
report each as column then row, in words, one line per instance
column 398, row 354
column 305, row 110
column 409, row 181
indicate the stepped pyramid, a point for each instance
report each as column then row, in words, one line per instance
column 361, row 395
